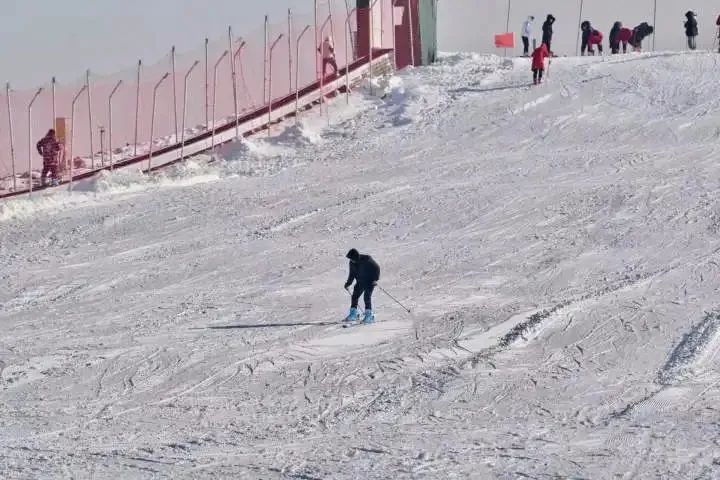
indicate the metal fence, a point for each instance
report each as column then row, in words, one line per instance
column 184, row 94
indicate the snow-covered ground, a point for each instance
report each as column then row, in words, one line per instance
column 558, row 247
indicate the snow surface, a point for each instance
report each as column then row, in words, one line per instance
column 557, row 246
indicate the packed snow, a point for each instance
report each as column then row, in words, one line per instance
column 556, row 245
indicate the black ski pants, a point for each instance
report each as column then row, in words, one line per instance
column 526, row 46
column 366, row 291
column 537, row 75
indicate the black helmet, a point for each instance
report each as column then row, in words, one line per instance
column 585, row 25
column 353, row 254
column 690, row 13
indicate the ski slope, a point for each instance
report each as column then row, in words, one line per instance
column 558, row 247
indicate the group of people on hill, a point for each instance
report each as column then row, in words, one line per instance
column 620, row 36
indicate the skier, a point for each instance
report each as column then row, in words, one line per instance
column 717, row 22
column 691, row 29
column 624, row 37
column 49, row 148
column 614, row 39
column 538, row 63
column 590, row 37
column 527, row 29
column 638, row 35
column 366, row 273
column 547, row 29
column 327, row 50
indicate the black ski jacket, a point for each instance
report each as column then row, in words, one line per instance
column 614, row 32
column 691, row 27
column 365, row 271
column 547, row 29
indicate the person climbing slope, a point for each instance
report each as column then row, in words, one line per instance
column 365, row 272
column 590, row 37
column 538, row 63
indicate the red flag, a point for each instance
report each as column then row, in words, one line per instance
column 505, row 40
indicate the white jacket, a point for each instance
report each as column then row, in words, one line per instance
column 527, row 28
column 328, row 48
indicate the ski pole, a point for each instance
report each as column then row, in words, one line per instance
column 394, row 299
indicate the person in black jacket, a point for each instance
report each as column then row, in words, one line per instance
column 547, row 29
column 366, row 273
column 615, row 38
column 691, row 29
column 639, row 34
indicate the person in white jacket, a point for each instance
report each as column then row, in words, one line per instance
column 327, row 50
column 527, row 34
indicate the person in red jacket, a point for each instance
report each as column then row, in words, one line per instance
column 49, row 148
column 624, row 37
column 538, row 63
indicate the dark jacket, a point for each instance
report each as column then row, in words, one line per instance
column 49, row 148
column 691, row 26
column 547, row 29
column 615, row 34
column 639, row 34
column 365, row 271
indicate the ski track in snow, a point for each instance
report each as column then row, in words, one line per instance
column 557, row 245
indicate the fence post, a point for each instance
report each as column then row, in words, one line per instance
column 270, row 100
column 265, row 59
column 214, row 97
column 152, row 119
column 347, row 56
column 412, row 34
column 370, row 49
column 174, row 85
column 507, row 23
column 289, row 39
column 90, row 119
column 184, row 114
column 137, row 108
column 72, row 134
column 37, row 94
column 233, row 76
column 237, row 58
column 318, row 61
column 53, row 102
column 297, row 72
column 110, row 117
column 207, row 84
column 12, row 135
column 394, row 33
column 577, row 41
column 654, row 23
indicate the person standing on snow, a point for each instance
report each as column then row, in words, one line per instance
column 717, row 22
column 366, row 273
column 691, row 29
column 327, row 50
column 538, row 63
column 614, row 39
column 49, row 148
column 547, row 29
column 590, row 37
column 527, row 32
column 638, row 35
column 625, row 36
